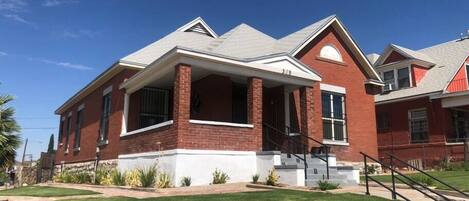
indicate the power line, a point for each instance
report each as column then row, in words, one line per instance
column 39, row 128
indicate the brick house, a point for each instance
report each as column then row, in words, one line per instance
column 193, row 102
column 423, row 114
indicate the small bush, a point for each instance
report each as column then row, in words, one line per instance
column 81, row 178
column 186, row 181
column 255, row 178
column 63, row 177
column 147, row 176
column 326, row 185
column 220, row 177
column 117, row 178
column 427, row 181
column 103, row 176
column 272, row 178
column 132, row 178
column 164, row 180
column 372, row 169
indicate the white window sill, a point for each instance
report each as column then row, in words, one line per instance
column 162, row 124
column 76, row 149
column 335, row 142
column 219, row 123
column 103, row 142
column 454, row 143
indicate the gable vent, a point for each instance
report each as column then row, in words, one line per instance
column 198, row 28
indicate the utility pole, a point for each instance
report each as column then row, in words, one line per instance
column 20, row 180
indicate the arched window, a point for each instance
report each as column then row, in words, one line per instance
column 330, row 52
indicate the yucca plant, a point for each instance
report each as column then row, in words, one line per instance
column 164, row 180
column 255, row 178
column 147, row 176
column 186, row 181
column 272, row 178
column 326, row 185
column 132, row 178
column 118, row 178
column 102, row 176
column 219, row 177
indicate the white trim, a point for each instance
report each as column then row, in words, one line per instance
column 409, row 121
column 332, row 88
column 162, row 124
column 107, row 90
column 196, row 21
column 220, row 123
column 454, row 143
column 334, row 19
column 187, row 152
column 335, row 142
column 69, row 114
column 272, row 61
column 81, row 107
column 431, row 95
column 125, row 114
column 334, row 48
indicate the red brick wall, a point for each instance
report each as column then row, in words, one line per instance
column 360, row 110
column 393, row 57
column 215, row 95
column 91, row 120
column 397, row 138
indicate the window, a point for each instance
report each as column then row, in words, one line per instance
column 330, row 52
column 388, row 78
column 403, row 78
column 467, row 73
column 79, row 124
column 382, row 121
column 333, row 116
column 154, row 106
column 418, row 125
column 61, row 129
column 69, row 128
column 239, row 104
column 106, row 112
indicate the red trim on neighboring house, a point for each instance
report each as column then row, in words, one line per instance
column 418, row 72
column 393, row 57
column 460, row 80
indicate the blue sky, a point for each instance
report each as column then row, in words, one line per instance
column 49, row 49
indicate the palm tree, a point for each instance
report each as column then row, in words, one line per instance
column 9, row 138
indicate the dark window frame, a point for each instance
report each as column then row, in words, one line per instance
column 105, row 115
column 68, row 130
column 334, row 120
column 78, row 127
column 146, row 113
column 420, row 136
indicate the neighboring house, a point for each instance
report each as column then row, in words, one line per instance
column 423, row 114
column 193, row 102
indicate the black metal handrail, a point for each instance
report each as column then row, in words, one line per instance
column 426, row 174
column 304, row 147
column 393, row 176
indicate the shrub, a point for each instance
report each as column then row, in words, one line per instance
column 372, row 169
column 272, row 178
column 255, row 178
column 103, row 176
column 326, row 185
column 164, row 180
column 132, row 178
column 186, row 181
column 147, row 176
column 117, row 177
column 81, row 178
column 427, row 181
column 219, row 177
column 63, row 177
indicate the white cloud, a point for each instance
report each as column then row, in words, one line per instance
column 63, row 64
column 53, row 3
column 17, row 18
column 80, row 33
column 3, row 53
column 12, row 5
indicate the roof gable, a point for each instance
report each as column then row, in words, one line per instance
column 198, row 25
column 394, row 53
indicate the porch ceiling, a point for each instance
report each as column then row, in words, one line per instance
column 161, row 72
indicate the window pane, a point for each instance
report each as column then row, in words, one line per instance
column 327, row 129
column 326, row 105
column 338, row 109
column 403, row 77
column 339, row 131
column 154, row 106
column 418, row 126
column 388, row 77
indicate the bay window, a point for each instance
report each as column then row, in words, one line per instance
column 333, row 116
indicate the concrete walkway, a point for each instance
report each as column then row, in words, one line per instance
column 382, row 192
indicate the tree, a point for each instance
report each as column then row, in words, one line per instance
column 9, row 138
column 50, row 149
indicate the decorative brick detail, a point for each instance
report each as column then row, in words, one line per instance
column 255, row 109
column 182, row 101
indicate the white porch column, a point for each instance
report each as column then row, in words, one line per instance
column 125, row 114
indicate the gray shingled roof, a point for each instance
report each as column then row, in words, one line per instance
column 242, row 42
column 412, row 54
column 448, row 58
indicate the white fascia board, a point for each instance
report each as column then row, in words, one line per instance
column 287, row 62
column 194, row 22
column 332, row 88
column 361, row 55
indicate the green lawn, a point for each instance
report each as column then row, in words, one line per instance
column 275, row 195
column 459, row 179
column 44, row 191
